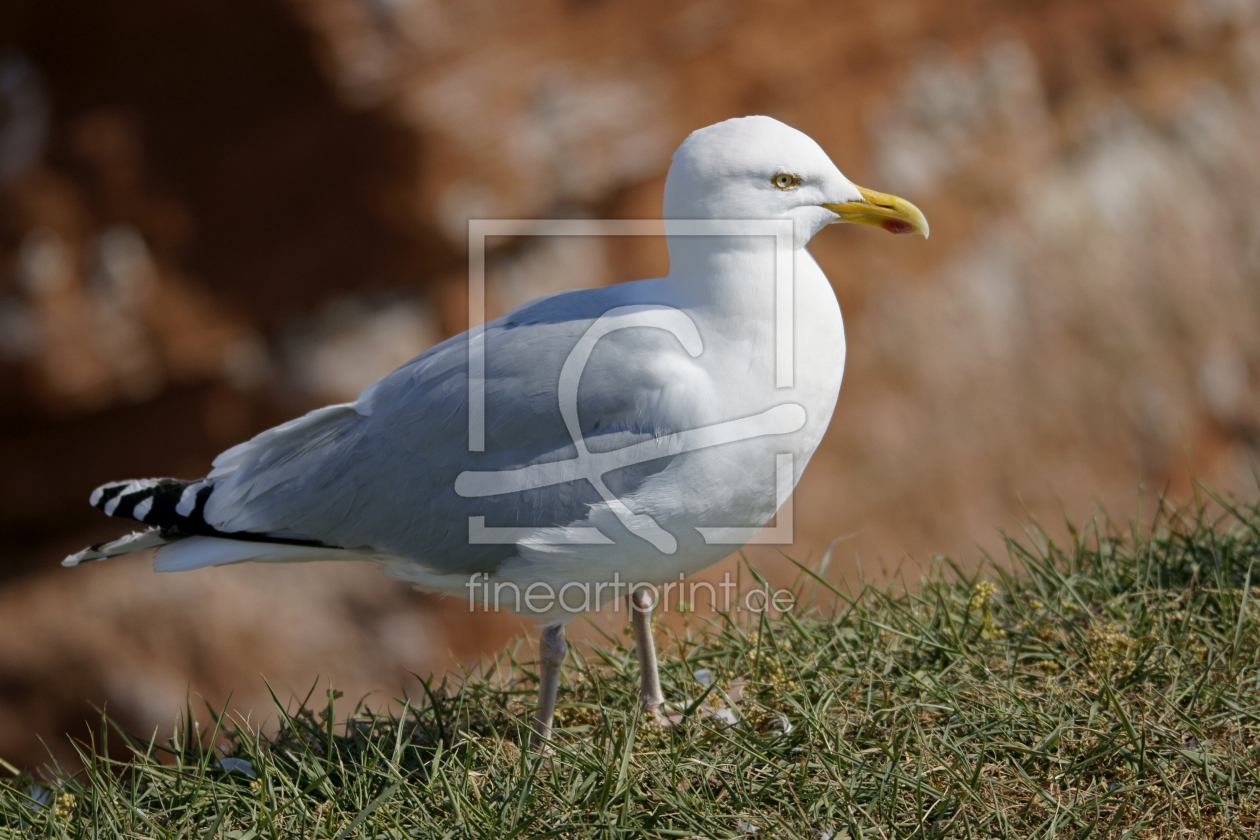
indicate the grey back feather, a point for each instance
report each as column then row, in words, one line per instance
column 380, row 473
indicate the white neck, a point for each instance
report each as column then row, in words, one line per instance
column 733, row 276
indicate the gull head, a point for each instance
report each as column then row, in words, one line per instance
column 759, row 168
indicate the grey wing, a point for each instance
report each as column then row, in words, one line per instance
column 380, row 473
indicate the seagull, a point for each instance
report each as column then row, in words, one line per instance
column 584, row 447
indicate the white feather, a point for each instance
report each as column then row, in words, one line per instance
column 136, row 541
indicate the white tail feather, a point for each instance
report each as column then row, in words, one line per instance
column 137, row 541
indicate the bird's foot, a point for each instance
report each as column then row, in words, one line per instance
column 655, row 715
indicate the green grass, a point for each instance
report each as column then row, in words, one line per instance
column 1104, row 686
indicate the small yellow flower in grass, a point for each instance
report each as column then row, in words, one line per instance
column 980, row 595
column 981, row 601
column 1110, row 644
column 65, row 806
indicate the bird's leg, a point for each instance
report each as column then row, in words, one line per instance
column 650, row 697
column 551, row 650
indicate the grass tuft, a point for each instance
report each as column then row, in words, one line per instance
column 1102, row 688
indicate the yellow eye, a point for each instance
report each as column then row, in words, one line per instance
column 785, row 181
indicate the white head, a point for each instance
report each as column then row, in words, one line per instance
column 759, row 168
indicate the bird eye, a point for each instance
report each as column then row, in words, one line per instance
column 785, row 181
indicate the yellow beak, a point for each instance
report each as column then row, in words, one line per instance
column 895, row 215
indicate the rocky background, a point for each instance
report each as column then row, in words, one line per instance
column 217, row 214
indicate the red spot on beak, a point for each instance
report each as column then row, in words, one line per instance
column 896, row 226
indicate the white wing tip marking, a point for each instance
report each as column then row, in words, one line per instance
column 188, row 499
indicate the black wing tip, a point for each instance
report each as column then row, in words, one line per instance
column 174, row 506
column 164, row 502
